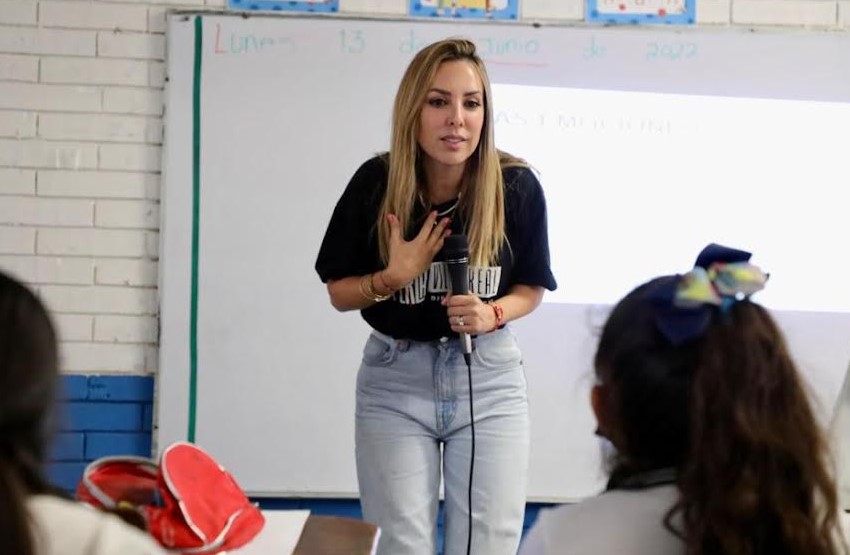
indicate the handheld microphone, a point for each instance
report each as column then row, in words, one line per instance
column 456, row 252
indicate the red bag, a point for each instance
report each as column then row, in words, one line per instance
column 190, row 503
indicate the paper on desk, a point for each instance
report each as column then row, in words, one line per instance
column 279, row 536
column 375, row 542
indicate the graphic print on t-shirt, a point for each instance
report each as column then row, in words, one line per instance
column 435, row 282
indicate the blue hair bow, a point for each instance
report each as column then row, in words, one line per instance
column 685, row 304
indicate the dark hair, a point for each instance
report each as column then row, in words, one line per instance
column 28, row 376
column 728, row 411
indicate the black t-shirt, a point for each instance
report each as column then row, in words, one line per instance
column 350, row 248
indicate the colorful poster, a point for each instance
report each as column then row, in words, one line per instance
column 468, row 9
column 674, row 12
column 289, row 6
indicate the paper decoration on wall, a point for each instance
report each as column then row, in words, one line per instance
column 674, row 12
column 466, row 9
column 285, row 5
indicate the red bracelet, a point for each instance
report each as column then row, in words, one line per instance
column 500, row 315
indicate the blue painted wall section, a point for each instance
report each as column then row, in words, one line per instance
column 112, row 415
column 99, row 416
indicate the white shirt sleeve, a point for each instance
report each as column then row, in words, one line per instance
column 61, row 526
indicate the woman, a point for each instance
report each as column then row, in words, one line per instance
column 32, row 521
column 718, row 449
column 382, row 255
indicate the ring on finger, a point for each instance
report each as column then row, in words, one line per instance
column 459, row 320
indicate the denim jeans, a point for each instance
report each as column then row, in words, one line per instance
column 412, row 427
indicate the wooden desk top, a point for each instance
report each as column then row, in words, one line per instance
column 300, row 533
column 333, row 535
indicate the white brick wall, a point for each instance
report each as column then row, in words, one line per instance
column 47, row 154
column 19, row 12
column 17, row 240
column 80, row 152
column 129, row 157
column 59, row 98
column 126, row 271
column 40, row 41
column 14, row 67
column 92, row 242
column 74, row 327
column 93, row 15
column 116, row 44
column 17, row 124
column 141, row 214
column 46, row 211
column 133, row 101
column 104, row 128
column 91, row 184
column 97, row 71
column 125, row 329
column 49, row 269
column 88, row 357
column 17, row 181
column 99, row 300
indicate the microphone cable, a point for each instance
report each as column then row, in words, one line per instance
column 468, row 358
column 456, row 254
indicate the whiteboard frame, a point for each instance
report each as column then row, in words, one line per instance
column 174, row 384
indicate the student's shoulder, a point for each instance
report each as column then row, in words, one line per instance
column 611, row 522
column 650, row 501
column 65, row 526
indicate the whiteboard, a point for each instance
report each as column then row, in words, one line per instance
column 257, row 151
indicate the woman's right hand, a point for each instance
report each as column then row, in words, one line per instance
column 408, row 259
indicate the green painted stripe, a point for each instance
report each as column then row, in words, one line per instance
column 196, row 215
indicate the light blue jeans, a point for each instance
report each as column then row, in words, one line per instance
column 412, row 421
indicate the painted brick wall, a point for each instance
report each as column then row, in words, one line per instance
column 99, row 416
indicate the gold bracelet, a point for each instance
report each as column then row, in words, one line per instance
column 367, row 289
column 363, row 288
column 375, row 295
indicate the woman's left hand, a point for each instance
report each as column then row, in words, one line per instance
column 468, row 314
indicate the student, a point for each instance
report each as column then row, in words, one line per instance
column 718, row 449
column 381, row 255
column 32, row 520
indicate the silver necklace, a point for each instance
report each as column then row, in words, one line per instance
column 449, row 210
column 445, row 212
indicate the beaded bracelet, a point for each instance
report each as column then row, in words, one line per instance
column 500, row 315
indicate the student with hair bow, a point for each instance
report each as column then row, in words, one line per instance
column 717, row 448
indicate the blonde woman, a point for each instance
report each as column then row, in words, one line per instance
column 381, row 255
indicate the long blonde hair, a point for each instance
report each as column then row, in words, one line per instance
column 482, row 188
